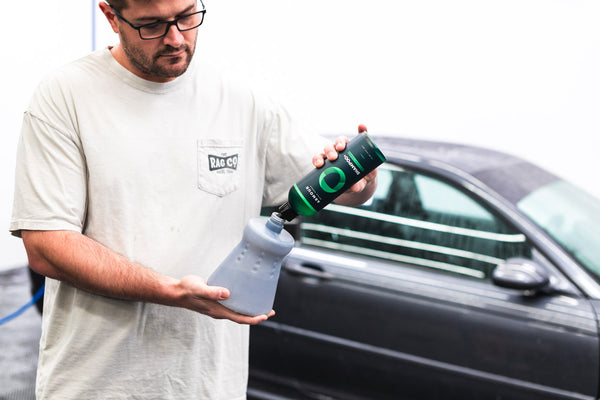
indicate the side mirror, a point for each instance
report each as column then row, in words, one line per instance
column 521, row 274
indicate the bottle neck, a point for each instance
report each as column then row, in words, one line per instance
column 275, row 223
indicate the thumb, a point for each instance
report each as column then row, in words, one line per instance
column 217, row 292
column 362, row 128
column 198, row 286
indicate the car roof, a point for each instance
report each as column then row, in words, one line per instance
column 511, row 177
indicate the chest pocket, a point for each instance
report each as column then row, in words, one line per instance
column 219, row 163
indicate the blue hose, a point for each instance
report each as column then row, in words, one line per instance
column 21, row 310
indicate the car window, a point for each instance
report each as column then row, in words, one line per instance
column 421, row 221
column 571, row 216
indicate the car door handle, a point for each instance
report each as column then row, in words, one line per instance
column 310, row 270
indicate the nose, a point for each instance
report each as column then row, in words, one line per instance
column 173, row 37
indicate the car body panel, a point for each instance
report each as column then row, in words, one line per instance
column 431, row 328
column 355, row 322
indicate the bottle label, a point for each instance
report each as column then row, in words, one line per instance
column 338, row 173
column 323, row 185
column 302, row 198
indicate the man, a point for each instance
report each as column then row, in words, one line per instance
column 119, row 205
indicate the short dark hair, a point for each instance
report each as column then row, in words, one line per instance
column 118, row 5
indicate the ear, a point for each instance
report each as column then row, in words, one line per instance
column 110, row 16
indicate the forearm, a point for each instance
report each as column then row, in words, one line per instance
column 84, row 263
column 88, row 265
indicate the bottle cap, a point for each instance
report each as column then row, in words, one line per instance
column 286, row 211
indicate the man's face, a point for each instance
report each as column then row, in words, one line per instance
column 161, row 59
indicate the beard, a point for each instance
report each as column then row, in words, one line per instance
column 157, row 65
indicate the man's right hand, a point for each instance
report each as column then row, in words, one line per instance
column 198, row 296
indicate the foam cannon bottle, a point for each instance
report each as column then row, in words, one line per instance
column 251, row 270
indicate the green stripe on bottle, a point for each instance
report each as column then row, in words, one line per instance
column 380, row 154
column 355, row 161
column 301, row 196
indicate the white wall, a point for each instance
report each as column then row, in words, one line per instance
column 37, row 35
column 515, row 75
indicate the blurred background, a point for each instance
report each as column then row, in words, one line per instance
column 515, row 75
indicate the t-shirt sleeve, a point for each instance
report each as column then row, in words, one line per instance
column 291, row 146
column 50, row 179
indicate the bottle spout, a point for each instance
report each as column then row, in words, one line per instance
column 275, row 223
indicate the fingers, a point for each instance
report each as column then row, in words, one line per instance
column 362, row 184
column 340, row 144
column 358, row 186
column 217, row 310
column 330, row 151
column 205, row 299
column 223, row 312
column 318, row 160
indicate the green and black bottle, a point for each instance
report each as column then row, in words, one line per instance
column 322, row 185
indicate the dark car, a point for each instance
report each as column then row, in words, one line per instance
column 470, row 274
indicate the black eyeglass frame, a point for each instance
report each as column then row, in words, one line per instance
column 168, row 23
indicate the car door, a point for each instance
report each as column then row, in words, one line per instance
column 394, row 300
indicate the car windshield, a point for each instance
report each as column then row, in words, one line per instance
column 571, row 216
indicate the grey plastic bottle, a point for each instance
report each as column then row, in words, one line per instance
column 251, row 270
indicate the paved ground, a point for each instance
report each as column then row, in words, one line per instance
column 19, row 337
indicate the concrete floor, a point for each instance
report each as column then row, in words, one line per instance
column 19, row 337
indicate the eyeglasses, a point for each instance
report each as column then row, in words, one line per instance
column 158, row 29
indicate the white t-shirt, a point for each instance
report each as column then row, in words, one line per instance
column 167, row 175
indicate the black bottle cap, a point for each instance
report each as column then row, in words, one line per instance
column 286, row 211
